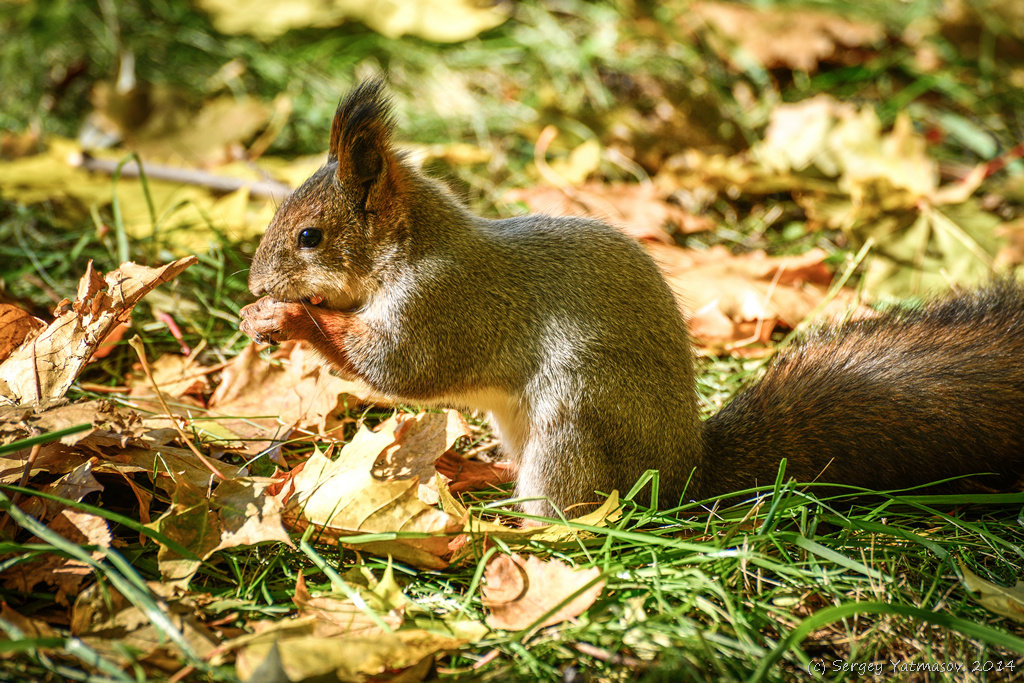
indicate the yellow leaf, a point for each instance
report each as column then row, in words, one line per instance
column 1009, row 602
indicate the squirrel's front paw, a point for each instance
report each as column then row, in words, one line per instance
column 269, row 321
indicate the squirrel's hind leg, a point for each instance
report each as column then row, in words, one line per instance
column 558, row 469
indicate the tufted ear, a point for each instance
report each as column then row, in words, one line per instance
column 361, row 142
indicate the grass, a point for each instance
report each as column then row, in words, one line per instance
column 775, row 583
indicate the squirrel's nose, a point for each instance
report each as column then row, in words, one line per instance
column 257, row 281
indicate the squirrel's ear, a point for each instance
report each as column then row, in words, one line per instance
column 361, row 138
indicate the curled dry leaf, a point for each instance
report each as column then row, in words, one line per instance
column 16, row 326
column 473, row 475
column 43, row 368
column 342, row 498
column 75, row 485
column 519, row 592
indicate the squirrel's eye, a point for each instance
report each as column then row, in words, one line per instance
column 309, row 238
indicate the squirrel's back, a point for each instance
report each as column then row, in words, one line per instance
column 907, row 398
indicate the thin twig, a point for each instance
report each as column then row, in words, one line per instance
column 136, row 343
column 270, row 189
column 610, row 657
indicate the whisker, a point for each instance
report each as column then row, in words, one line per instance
column 312, row 318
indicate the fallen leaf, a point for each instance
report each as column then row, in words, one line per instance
column 120, row 631
column 1008, row 602
column 796, row 38
column 521, row 593
column 238, row 512
column 29, row 627
column 342, row 497
column 263, row 401
column 108, row 423
column 473, row 475
column 419, row 440
column 639, row 210
column 175, row 374
column 63, row 573
column 44, row 368
column 445, row 21
column 409, row 652
column 743, row 298
column 16, row 326
column 337, row 616
column 481, row 530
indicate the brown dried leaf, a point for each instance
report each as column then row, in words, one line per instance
column 342, row 497
column 778, row 36
column 64, row 574
column 248, row 514
column 640, row 210
column 264, row 401
column 754, row 292
column 31, row 628
column 110, row 624
column 112, row 425
column 239, row 512
column 44, row 368
column 75, row 485
column 167, row 464
column 16, row 327
column 176, row 375
column 518, row 592
column 473, row 475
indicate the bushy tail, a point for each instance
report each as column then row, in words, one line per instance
column 907, row 398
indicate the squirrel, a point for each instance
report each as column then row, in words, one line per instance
column 564, row 332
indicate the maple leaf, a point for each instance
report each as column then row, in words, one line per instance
column 263, row 401
column 342, row 498
column 528, row 593
column 43, row 366
column 238, row 512
column 64, row 573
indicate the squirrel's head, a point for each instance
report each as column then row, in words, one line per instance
column 324, row 239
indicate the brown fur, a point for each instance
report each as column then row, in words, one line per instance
column 563, row 330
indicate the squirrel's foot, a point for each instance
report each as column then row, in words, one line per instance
column 269, row 321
